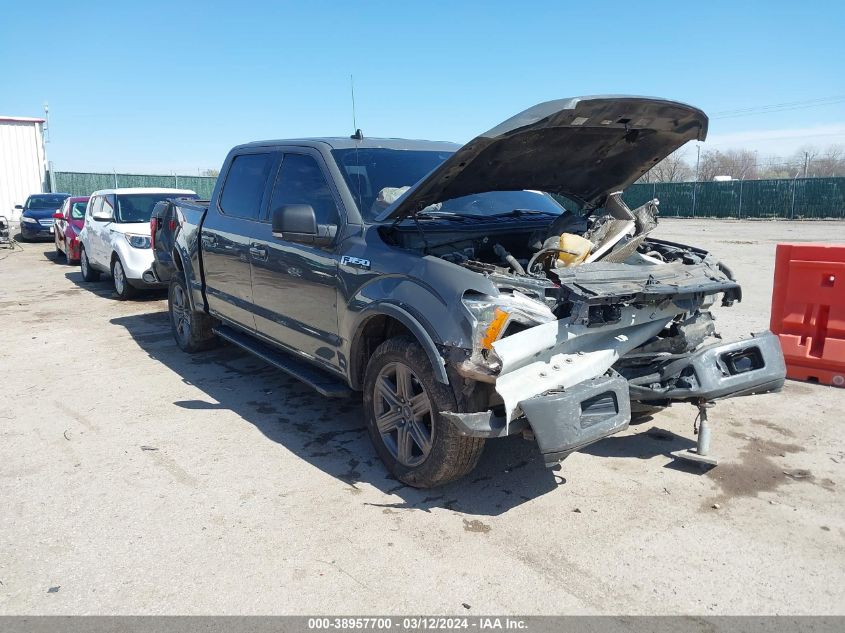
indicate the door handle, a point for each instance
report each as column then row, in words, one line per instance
column 258, row 252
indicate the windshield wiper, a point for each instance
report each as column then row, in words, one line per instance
column 515, row 213
column 443, row 215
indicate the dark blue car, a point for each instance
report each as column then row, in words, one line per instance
column 37, row 215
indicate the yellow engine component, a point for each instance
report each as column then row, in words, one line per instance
column 574, row 249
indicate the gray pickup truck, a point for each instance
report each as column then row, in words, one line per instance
column 469, row 292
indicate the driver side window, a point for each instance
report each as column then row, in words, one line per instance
column 94, row 206
column 301, row 181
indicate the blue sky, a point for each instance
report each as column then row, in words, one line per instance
column 171, row 86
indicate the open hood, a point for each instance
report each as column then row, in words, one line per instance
column 581, row 148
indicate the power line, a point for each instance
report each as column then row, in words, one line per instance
column 779, row 107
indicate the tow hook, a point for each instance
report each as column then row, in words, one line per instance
column 701, row 426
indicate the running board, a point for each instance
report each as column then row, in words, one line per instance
column 320, row 381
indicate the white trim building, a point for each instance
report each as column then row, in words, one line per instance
column 23, row 163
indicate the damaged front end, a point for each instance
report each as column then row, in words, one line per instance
column 570, row 348
column 589, row 317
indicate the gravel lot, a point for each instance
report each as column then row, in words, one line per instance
column 138, row 479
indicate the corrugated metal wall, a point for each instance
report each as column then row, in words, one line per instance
column 22, row 168
column 798, row 199
column 84, row 184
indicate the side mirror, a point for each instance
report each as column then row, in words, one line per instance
column 295, row 220
column 102, row 216
column 58, row 216
column 19, row 206
column 298, row 223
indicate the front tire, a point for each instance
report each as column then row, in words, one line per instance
column 59, row 251
column 88, row 273
column 192, row 330
column 402, row 401
column 122, row 288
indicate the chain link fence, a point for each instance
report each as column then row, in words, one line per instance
column 787, row 199
column 85, row 183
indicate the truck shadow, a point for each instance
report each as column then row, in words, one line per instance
column 330, row 434
column 104, row 287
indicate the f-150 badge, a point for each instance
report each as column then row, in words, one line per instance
column 355, row 262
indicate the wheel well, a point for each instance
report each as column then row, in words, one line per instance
column 375, row 331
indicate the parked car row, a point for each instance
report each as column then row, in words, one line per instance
column 445, row 284
column 107, row 232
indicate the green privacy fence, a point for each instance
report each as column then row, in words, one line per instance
column 790, row 199
column 84, row 183
column 798, row 199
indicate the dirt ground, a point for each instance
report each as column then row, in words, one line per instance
column 136, row 479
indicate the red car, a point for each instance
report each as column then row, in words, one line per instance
column 69, row 222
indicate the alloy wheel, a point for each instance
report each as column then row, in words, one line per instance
column 403, row 414
column 119, row 277
column 179, row 310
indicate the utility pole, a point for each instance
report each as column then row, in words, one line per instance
column 806, row 162
column 695, row 184
column 47, row 122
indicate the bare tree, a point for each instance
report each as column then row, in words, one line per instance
column 673, row 168
column 827, row 163
column 740, row 164
column 211, row 172
column 743, row 164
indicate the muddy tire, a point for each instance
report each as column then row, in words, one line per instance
column 192, row 330
column 402, row 401
column 88, row 273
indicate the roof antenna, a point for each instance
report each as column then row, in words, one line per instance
column 359, row 135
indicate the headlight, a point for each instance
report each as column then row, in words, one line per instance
column 492, row 315
column 29, row 220
column 137, row 241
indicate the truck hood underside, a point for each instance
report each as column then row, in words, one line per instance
column 582, row 148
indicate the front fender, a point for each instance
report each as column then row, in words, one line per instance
column 414, row 326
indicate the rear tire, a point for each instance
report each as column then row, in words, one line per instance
column 402, row 401
column 88, row 273
column 192, row 330
column 122, row 288
column 68, row 260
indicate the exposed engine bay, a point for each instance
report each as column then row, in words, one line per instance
column 592, row 310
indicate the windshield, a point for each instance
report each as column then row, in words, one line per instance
column 45, row 202
column 377, row 177
column 77, row 210
column 138, row 207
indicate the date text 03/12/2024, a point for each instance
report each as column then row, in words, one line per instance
column 417, row 623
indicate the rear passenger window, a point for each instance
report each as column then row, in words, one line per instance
column 300, row 181
column 244, row 186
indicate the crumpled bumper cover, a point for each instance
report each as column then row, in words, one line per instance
column 724, row 370
column 566, row 420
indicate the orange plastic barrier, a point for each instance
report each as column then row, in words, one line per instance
column 808, row 311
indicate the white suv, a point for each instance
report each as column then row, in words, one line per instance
column 116, row 236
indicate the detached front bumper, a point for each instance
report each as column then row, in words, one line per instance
column 724, row 370
column 566, row 420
